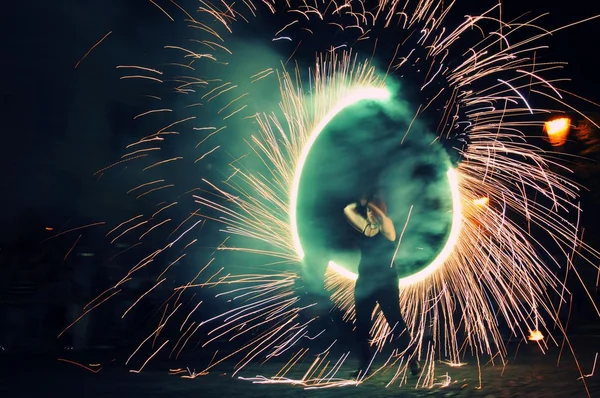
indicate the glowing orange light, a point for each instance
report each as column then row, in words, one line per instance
column 481, row 201
column 558, row 130
column 535, row 335
column 49, row 229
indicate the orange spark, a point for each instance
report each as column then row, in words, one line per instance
column 481, row 201
column 154, row 189
column 123, row 223
column 141, row 77
column 208, row 136
column 75, row 229
column 172, row 263
column 141, row 297
column 119, row 162
column 91, row 49
column 86, row 312
column 140, row 68
column 163, row 208
column 144, row 185
column 162, row 9
column 153, row 227
column 81, row 365
column 71, row 249
column 207, row 153
column 127, row 230
column 150, row 358
column 139, row 151
column 152, row 111
column 162, row 162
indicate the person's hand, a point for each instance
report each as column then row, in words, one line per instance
column 377, row 212
column 375, row 209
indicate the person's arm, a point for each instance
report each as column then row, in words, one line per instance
column 358, row 221
column 387, row 226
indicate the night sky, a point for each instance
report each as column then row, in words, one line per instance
column 61, row 124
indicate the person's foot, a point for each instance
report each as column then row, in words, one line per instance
column 363, row 370
column 360, row 373
column 415, row 367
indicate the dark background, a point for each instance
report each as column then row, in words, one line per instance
column 61, row 124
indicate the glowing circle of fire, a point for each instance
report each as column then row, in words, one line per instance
column 372, row 94
column 357, row 95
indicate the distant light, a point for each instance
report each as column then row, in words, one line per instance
column 49, row 229
column 86, row 254
column 535, row 335
column 558, row 130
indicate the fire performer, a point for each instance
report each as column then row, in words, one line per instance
column 377, row 281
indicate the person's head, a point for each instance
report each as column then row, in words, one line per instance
column 379, row 203
column 364, row 199
column 372, row 216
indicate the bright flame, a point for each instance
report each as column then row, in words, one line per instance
column 535, row 335
column 558, row 130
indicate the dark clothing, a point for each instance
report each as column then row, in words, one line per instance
column 377, row 283
column 387, row 296
column 376, row 265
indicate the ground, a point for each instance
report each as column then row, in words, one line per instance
column 529, row 373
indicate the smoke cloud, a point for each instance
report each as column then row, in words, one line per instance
column 376, row 148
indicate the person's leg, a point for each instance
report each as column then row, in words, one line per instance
column 364, row 303
column 388, row 298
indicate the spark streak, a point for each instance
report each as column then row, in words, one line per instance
column 92, row 49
